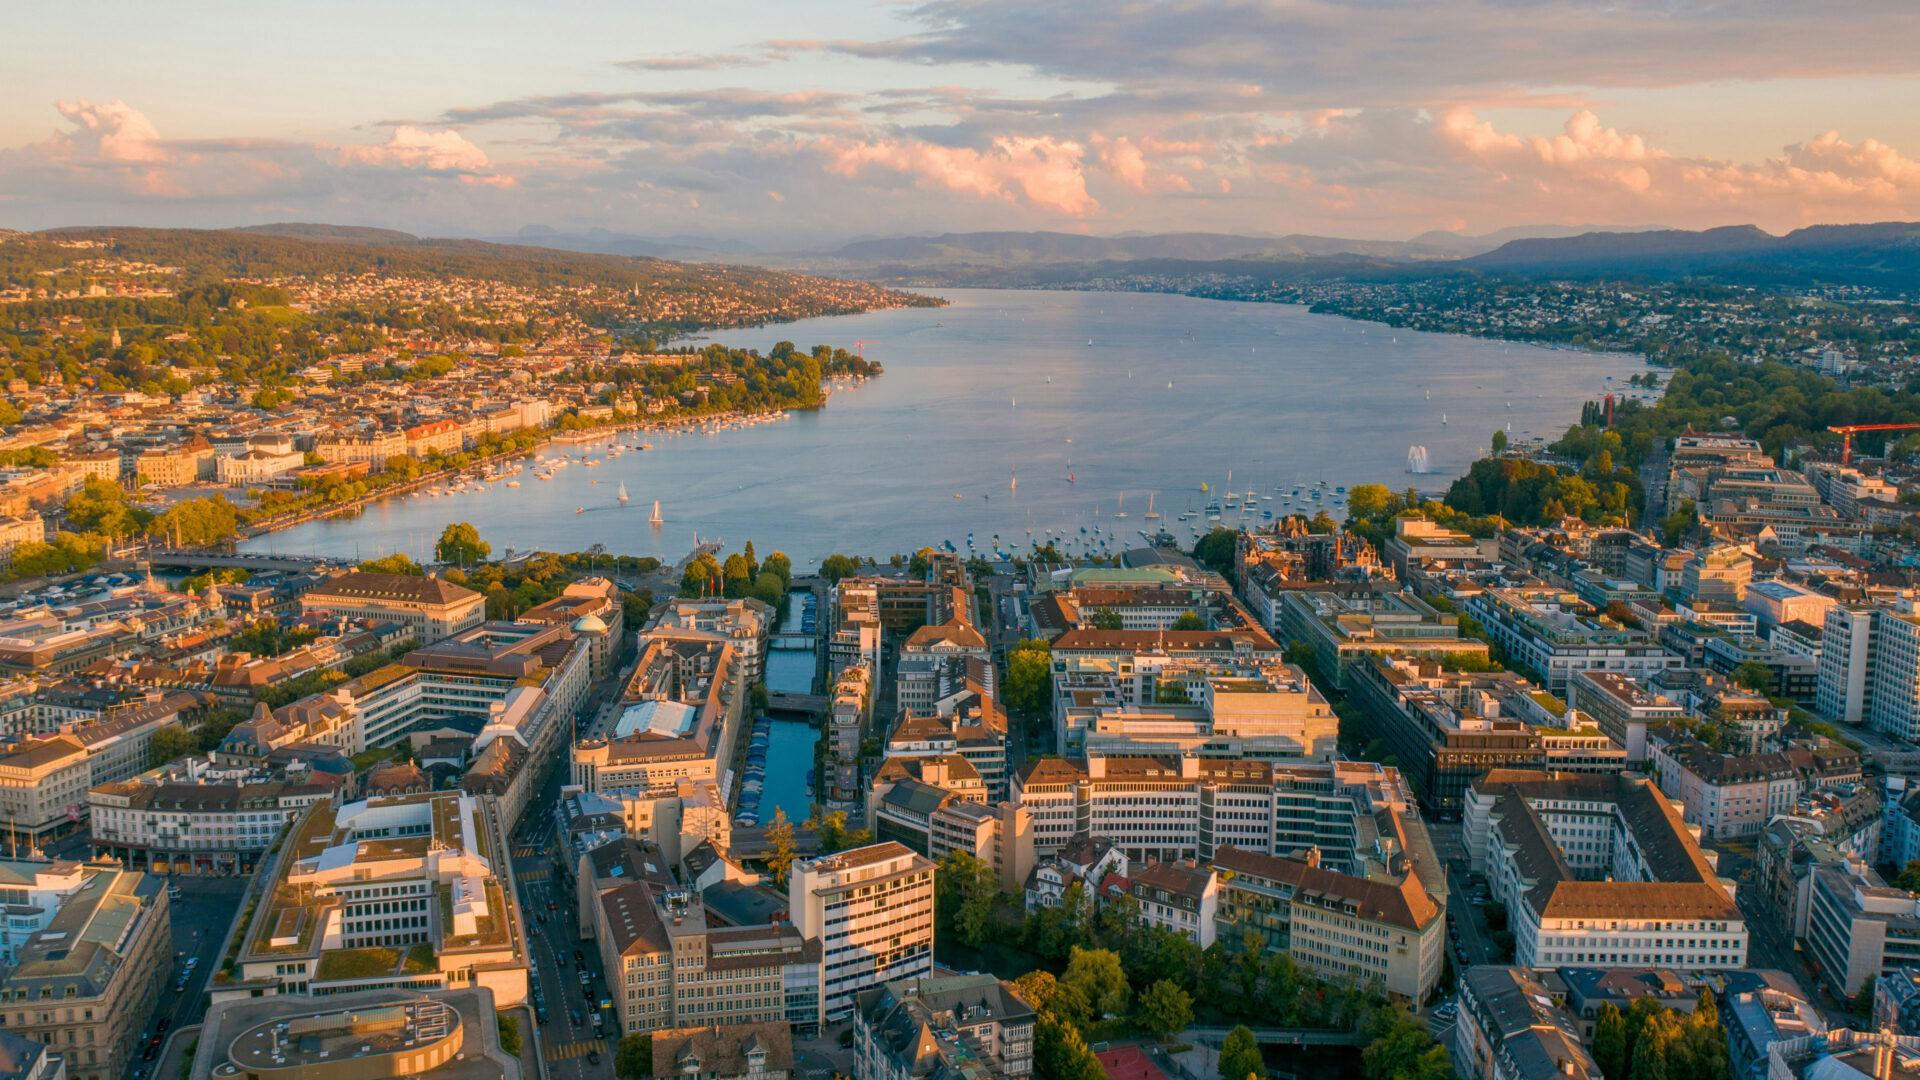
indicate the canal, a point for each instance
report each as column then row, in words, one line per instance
column 780, row 755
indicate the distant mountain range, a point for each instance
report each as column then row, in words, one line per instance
column 1884, row 254
column 608, row 242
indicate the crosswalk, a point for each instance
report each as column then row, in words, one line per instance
column 567, row 1051
column 526, row 851
column 534, row 875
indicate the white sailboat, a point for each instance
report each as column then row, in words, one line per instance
column 1122, row 512
column 1152, row 514
column 656, row 519
column 623, row 493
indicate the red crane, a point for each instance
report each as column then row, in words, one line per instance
column 1848, row 431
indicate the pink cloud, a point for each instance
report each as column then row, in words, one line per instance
column 417, row 148
column 1044, row 171
column 113, row 130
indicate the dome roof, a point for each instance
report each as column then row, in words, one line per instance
column 589, row 624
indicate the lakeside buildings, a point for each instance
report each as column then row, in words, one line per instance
column 1548, row 634
column 89, row 948
column 430, row 607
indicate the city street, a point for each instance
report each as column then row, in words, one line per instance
column 200, row 914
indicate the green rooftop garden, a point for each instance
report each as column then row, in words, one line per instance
column 358, row 963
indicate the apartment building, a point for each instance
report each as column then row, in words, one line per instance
column 592, row 608
column 957, row 1025
column 1734, row 796
column 929, row 652
column 43, row 787
column 848, row 716
column 409, row 891
column 430, row 607
column 646, row 761
column 871, row 908
column 1387, row 932
column 1600, row 870
column 1168, row 809
column 192, row 815
column 86, row 979
column 1343, row 625
column 1510, row 1029
column 1180, row 897
column 25, row 528
column 1548, row 634
column 1267, row 711
column 1859, row 927
column 744, row 624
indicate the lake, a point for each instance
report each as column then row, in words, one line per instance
column 988, row 406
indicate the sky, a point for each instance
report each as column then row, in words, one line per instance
column 802, row 124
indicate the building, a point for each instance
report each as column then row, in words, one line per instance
column 1859, row 927
column 1845, row 1054
column 431, row 607
column 1387, row 932
column 1600, row 870
column 1548, row 634
column 1181, row 897
column 1759, row 1009
column 593, row 609
column 1268, row 711
column 1734, row 796
column 1168, row 809
column 24, row 1059
column 191, row 815
column 409, row 892
column 1623, row 707
column 848, row 716
column 959, row 1025
column 43, row 787
column 762, row 1051
column 932, row 650
column 1345, row 624
column 363, row 1035
column 871, row 908
column 87, row 978
column 744, row 624
column 23, row 529
column 1846, row 642
column 1510, row 1029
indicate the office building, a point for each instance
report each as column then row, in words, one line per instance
column 430, row 607
column 871, row 908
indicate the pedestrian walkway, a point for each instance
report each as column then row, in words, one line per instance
column 567, row 1051
column 539, row 874
column 527, row 851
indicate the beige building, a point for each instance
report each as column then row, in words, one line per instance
column 365, row 1035
column 410, row 892
column 87, row 982
column 43, row 786
column 27, row 528
column 871, row 909
column 176, row 466
column 430, row 607
column 730, row 1052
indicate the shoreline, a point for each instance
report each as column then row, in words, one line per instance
column 568, row 436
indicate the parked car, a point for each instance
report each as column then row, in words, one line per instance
column 593, row 1057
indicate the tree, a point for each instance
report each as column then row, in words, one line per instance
column 1105, row 619
column 736, row 576
column 779, row 566
column 1165, row 1009
column 964, row 892
column 1499, row 442
column 1402, row 1049
column 634, row 606
column 509, row 1033
column 1215, row 550
column 170, row 743
column 1610, row 1042
column 101, row 507
column 1098, row 974
column 1909, row 877
column 461, row 545
column 1755, row 676
column 835, row 567
column 1322, row 523
column 1029, row 686
column 1036, row 988
column 780, row 846
column 834, row 834
column 1060, row 1052
column 397, row 563
column 199, row 521
column 634, row 1058
column 1188, row 620
column 1240, row 1056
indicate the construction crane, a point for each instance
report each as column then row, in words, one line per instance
column 1848, row 431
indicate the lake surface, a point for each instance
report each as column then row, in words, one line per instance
column 1004, row 385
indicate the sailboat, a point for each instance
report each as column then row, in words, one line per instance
column 623, row 493
column 1016, row 401
column 1013, row 481
column 1070, row 470
column 656, row 519
column 1152, row 514
column 1122, row 512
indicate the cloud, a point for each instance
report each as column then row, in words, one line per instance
column 1374, row 52
column 112, row 131
column 691, row 62
column 416, row 148
column 1044, row 172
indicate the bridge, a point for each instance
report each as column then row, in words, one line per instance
column 240, row 560
column 788, row 702
column 1280, row 1036
column 791, row 640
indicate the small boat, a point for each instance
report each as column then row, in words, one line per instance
column 623, row 493
column 579, row 509
column 513, row 483
column 1151, row 514
column 656, row 518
